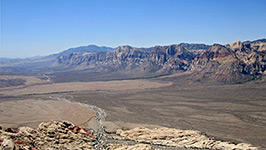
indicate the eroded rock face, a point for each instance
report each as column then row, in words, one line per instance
column 238, row 62
column 160, row 59
column 51, row 135
column 179, row 138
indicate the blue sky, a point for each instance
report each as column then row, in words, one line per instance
column 41, row 27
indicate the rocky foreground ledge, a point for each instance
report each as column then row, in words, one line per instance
column 180, row 138
column 66, row 135
column 51, row 135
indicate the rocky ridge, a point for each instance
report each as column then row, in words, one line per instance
column 66, row 135
column 51, row 135
column 160, row 59
column 238, row 62
column 235, row 63
column 179, row 138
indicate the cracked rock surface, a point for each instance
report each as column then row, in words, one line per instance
column 50, row 135
column 179, row 138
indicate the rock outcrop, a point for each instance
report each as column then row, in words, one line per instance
column 57, row 135
column 51, row 135
column 238, row 62
column 65, row 135
column 179, row 138
column 129, row 147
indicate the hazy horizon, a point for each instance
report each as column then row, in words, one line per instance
column 31, row 28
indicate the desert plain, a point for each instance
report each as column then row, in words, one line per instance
column 234, row 113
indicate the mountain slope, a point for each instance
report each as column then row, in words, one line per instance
column 235, row 63
column 35, row 65
column 159, row 59
column 88, row 49
column 238, row 62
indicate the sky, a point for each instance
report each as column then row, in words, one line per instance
column 41, row 27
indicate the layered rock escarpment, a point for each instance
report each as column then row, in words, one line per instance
column 235, row 63
column 158, row 59
column 238, row 62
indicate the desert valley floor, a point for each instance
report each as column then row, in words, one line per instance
column 234, row 113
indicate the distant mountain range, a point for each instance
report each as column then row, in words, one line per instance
column 87, row 49
column 238, row 62
column 81, row 49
